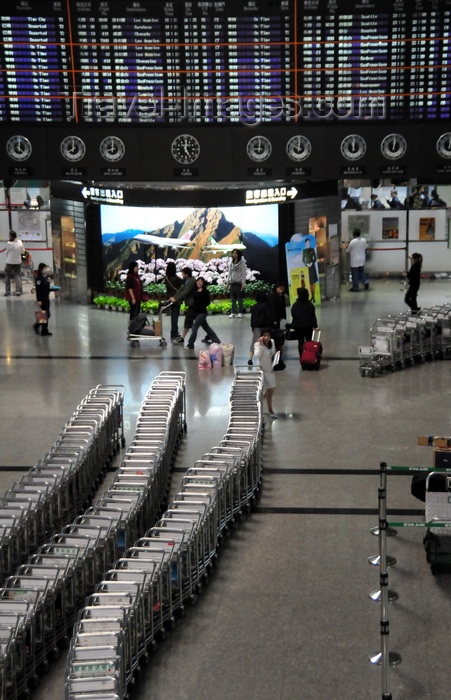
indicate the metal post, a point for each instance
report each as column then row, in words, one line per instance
column 391, row 532
column 385, row 658
column 376, row 559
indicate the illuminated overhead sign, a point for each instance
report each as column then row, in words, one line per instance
column 103, row 195
column 271, row 195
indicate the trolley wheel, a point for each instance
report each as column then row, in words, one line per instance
column 34, row 681
column 135, row 343
column 163, row 343
column 362, row 372
column 123, row 442
column 434, row 569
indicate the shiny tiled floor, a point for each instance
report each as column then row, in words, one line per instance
column 287, row 613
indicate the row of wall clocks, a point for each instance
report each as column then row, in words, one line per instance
column 185, row 148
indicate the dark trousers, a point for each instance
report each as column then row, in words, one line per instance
column 411, row 298
column 201, row 321
column 175, row 312
column 236, row 296
column 135, row 309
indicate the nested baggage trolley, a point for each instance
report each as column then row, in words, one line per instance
column 165, row 569
column 401, row 341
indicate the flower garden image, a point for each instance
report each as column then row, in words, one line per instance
column 215, row 272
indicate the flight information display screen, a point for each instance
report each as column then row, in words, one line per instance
column 224, row 61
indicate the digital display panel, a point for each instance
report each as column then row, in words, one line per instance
column 210, row 62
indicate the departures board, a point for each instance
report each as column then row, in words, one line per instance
column 221, row 62
column 225, row 89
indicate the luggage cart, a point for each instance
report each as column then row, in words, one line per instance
column 437, row 541
column 136, row 338
column 27, row 271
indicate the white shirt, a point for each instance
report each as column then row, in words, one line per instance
column 14, row 250
column 264, row 355
column 357, row 251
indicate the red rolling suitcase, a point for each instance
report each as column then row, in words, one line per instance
column 312, row 351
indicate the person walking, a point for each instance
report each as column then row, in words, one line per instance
column 276, row 305
column 261, row 317
column 42, row 286
column 357, row 251
column 201, row 299
column 13, row 264
column 134, row 290
column 236, row 281
column 173, row 283
column 413, row 281
column 304, row 318
column 185, row 294
column 264, row 351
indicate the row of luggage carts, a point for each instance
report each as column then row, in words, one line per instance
column 62, row 484
column 405, row 339
column 40, row 601
column 140, row 597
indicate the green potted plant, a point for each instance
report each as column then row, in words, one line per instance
column 100, row 301
column 123, row 305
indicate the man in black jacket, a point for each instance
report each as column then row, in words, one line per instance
column 185, row 294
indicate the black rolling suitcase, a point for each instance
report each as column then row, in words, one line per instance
column 437, row 541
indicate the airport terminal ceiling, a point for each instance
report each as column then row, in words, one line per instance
column 236, row 90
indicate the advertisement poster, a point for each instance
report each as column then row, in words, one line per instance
column 390, row 227
column 427, row 229
column 191, row 234
column 29, row 224
column 361, row 221
column 302, row 266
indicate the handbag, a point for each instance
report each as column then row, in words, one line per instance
column 279, row 366
column 277, row 363
column 41, row 316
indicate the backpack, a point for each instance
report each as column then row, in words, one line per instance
column 137, row 324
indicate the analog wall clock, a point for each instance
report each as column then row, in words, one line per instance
column 299, row 148
column 18, row 148
column 112, row 149
column 393, row 146
column 353, row 147
column 443, row 145
column 73, row 148
column 259, row 148
column 185, row 149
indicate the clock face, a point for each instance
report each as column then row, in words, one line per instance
column 353, row 147
column 73, row 148
column 443, row 145
column 185, row 149
column 393, row 146
column 18, row 148
column 299, row 148
column 259, row 148
column 112, row 149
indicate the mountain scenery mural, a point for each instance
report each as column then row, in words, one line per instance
column 190, row 234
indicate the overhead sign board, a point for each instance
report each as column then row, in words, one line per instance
column 271, row 195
